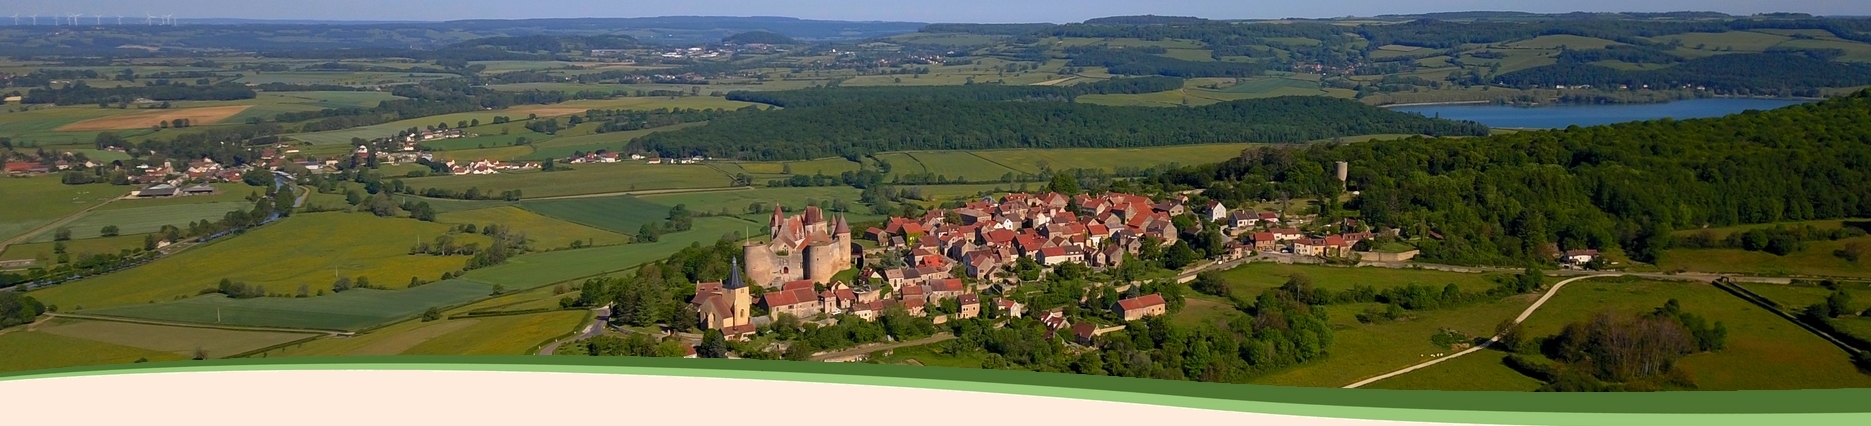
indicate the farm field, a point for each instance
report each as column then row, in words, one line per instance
column 737, row 201
column 233, row 192
column 957, row 165
column 486, row 139
column 583, row 179
column 501, row 335
column 1793, row 298
column 1764, row 351
column 143, row 220
column 75, row 247
column 300, row 250
column 1562, row 40
column 542, row 269
column 351, row 310
column 145, row 119
column 442, row 205
column 544, row 232
column 181, row 341
column 32, row 350
column 32, row 202
column 401, row 336
column 621, row 214
column 342, row 78
column 1248, row 281
column 41, row 123
column 1109, row 159
column 564, row 146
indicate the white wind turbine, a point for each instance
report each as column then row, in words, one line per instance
column 149, row 19
column 119, row 20
column 74, row 18
column 16, row 19
column 35, row 19
column 99, row 21
column 170, row 18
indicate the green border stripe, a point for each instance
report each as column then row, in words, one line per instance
column 1830, row 406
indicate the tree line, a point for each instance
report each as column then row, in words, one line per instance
column 815, row 97
column 1779, row 73
column 79, row 93
column 1516, row 198
column 856, row 129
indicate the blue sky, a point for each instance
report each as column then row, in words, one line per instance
column 918, row 10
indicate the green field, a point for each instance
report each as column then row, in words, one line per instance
column 182, row 341
column 1565, row 40
column 622, row 214
column 143, row 220
column 1815, row 260
column 487, row 139
column 1109, row 159
column 350, row 310
column 1764, row 351
column 224, row 193
column 1739, row 41
column 1479, row 371
column 956, row 165
column 1250, row 280
column 564, row 146
column 345, row 78
column 1360, row 351
column 309, row 249
column 32, row 202
column 504, row 335
column 542, row 269
column 31, row 350
column 45, row 250
column 544, row 232
column 583, row 179
column 737, row 201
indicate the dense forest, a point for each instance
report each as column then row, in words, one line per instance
column 1510, row 199
column 854, row 129
column 751, row 37
column 1136, row 62
column 973, row 92
column 79, row 93
column 1777, row 74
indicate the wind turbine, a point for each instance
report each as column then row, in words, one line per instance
column 74, row 18
column 16, row 19
column 119, row 20
column 170, row 18
column 35, row 19
column 149, row 19
column 99, row 21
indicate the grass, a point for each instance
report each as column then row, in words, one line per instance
column 36, row 201
column 958, row 165
column 934, row 355
column 402, row 336
column 1109, row 159
column 1815, row 260
column 75, row 247
column 542, row 269
column 172, row 339
column 31, row 350
column 736, row 202
column 1566, row 40
column 507, row 335
column 1361, row 351
column 621, row 214
column 350, row 310
column 544, row 232
column 143, row 220
column 224, row 193
column 1250, row 280
column 565, row 146
column 1763, row 350
column 303, row 249
column 583, row 179
column 1793, row 298
column 1479, row 371
column 485, row 140
column 1740, row 41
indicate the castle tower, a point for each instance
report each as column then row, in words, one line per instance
column 821, row 259
column 779, row 218
column 841, row 238
column 737, row 289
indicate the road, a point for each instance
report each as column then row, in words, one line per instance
column 861, row 350
column 55, row 224
column 1484, row 345
column 597, row 326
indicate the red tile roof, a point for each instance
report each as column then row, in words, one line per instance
column 1141, row 302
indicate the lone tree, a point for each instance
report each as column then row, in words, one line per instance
column 714, row 345
column 108, row 231
column 61, row 234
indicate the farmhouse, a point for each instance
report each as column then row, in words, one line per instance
column 1137, row 308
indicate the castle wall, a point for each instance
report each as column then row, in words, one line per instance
column 821, row 258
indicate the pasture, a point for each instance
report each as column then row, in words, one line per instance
column 32, row 350
column 564, row 146
column 584, row 179
column 143, row 220
column 172, row 339
column 1815, row 260
column 1764, row 351
column 622, row 214
column 1248, row 281
column 350, row 310
column 502, row 335
column 46, row 250
column 36, row 201
column 544, row 232
column 306, row 249
column 1558, row 41
column 1739, row 41
column 543, row 269
column 1361, row 351
column 737, row 201
column 1479, row 371
column 145, row 119
column 1110, row 159
column 958, row 165
column 234, row 192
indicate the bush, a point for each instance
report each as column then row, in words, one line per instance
column 431, row 315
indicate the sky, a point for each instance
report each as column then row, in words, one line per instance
column 978, row 11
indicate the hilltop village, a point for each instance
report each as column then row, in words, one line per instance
column 948, row 263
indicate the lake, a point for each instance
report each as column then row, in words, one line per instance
column 1559, row 116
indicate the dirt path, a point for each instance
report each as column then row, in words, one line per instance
column 939, row 337
column 54, row 225
column 596, row 326
column 1484, row 345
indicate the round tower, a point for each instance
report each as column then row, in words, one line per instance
column 759, row 264
column 820, row 260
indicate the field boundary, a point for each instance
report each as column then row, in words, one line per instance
column 1491, row 340
column 997, row 163
column 271, row 348
column 1768, row 304
column 93, row 317
column 569, row 334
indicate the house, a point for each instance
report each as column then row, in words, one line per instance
column 1332, row 246
column 199, row 189
column 1050, row 256
column 1243, row 219
column 1579, row 257
column 1139, row 307
column 946, row 289
column 970, row 305
column 1084, row 331
column 163, row 190
column 1264, row 241
column 1054, row 320
column 1286, row 234
column 912, row 292
column 1216, row 211
column 798, row 302
column 1009, row 307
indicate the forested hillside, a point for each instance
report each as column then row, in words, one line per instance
column 973, row 92
column 1779, row 73
column 853, row 129
column 1502, row 199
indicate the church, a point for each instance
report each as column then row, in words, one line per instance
column 806, row 247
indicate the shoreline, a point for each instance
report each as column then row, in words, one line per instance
column 1557, row 104
column 1434, row 104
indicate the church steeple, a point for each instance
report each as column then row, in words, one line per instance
column 734, row 276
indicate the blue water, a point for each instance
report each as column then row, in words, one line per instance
column 1552, row 117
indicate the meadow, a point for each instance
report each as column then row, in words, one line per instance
column 226, row 192
column 544, row 232
column 1479, row 371
column 1815, row 260
column 1248, row 281
column 564, row 146
column 349, row 310
column 583, row 179
column 31, row 350
column 1764, row 351
column 306, row 249
column 143, row 220
column 1361, row 351
column 502, row 335
column 621, row 214
column 46, row 250
column 36, row 201
column 736, row 202
column 182, row 341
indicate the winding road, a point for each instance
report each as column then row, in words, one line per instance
column 1484, row 345
column 596, row 326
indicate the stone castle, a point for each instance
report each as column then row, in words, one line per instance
column 804, row 247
